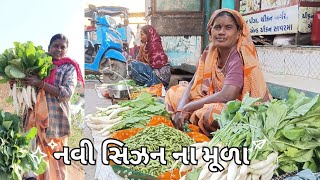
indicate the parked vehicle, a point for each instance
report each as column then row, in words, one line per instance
column 103, row 45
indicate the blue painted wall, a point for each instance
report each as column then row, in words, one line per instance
column 228, row 4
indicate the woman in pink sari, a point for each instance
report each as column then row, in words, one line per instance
column 151, row 66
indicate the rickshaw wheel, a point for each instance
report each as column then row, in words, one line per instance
column 115, row 66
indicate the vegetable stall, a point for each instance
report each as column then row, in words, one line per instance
column 282, row 137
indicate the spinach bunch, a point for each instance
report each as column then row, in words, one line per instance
column 23, row 60
column 15, row 155
column 289, row 126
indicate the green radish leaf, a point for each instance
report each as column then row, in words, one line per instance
column 248, row 101
column 193, row 174
column 293, row 134
column 7, row 124
column 31, row 133
column 311, row 165
column 42, row 167
column 304, row 108
column 4, row 79
column 7, row 71
column 289, row 168
column 17, row 73
column 16, row 63
column 304, row 156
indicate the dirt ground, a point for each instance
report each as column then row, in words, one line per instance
column 75, row 172
column 4, row 93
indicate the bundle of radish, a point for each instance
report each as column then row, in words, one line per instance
column 282, row 137
column 105, row 118
column 16, row 63
column 128, row 114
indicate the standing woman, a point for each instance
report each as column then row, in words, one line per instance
column 52, row 114
column 227, row 70
column 151, row 66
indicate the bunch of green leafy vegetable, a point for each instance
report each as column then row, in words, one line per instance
column 142, row 109
column 291, row 127
column 15, row 155
column 23, row 60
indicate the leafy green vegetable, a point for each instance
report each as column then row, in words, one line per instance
column 15, row 154
column 290, row 127
column 194, row 174
column 23, row 60
column 142, row 109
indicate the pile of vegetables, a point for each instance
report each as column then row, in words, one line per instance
column 143, row 108
column 152, row 138
column 25, row 59
column 105, row 118
column 282, row 136
column 128, row 114
column 15, row 154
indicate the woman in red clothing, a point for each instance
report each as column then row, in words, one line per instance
column 151, row 66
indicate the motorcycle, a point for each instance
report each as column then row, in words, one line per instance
column 104, row 46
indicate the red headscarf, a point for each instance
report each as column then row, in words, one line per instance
column 156, row 56
column 66, row 60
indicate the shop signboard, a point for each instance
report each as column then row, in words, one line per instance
column 271, row 17
column 305, row 18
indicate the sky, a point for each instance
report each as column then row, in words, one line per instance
column 39, row 20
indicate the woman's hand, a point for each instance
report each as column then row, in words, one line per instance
column 11, row 82
column 180, row 118
column 32, row 80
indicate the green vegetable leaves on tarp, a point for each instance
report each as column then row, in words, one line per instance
column 142, row 109
column 15, row 153
column 23, row 60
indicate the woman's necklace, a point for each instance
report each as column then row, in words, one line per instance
column 221, row 69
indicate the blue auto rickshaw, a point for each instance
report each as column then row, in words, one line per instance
column 104, row 53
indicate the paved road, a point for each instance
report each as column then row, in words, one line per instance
column 92, row 100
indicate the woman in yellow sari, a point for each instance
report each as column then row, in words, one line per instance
column 227, row 70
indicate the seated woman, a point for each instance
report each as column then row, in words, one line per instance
column 151, row 66
column 227, row 70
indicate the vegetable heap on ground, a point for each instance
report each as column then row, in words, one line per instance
column 15, row 155
column 128, row 114
column 154, row 137
column 24, row 60
column 282, row 135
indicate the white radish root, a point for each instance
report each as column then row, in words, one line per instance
column 205, row 172
column 115, row 106
column 185, row 167
column 243, row 172
column 261, row 164
column 268, row 175
column 263, row 170
column 201, row 163
column 219, row 174
column 199, row 145
column 232, row 171
column 33, row 95
column 117, row 111
column 107, row 133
